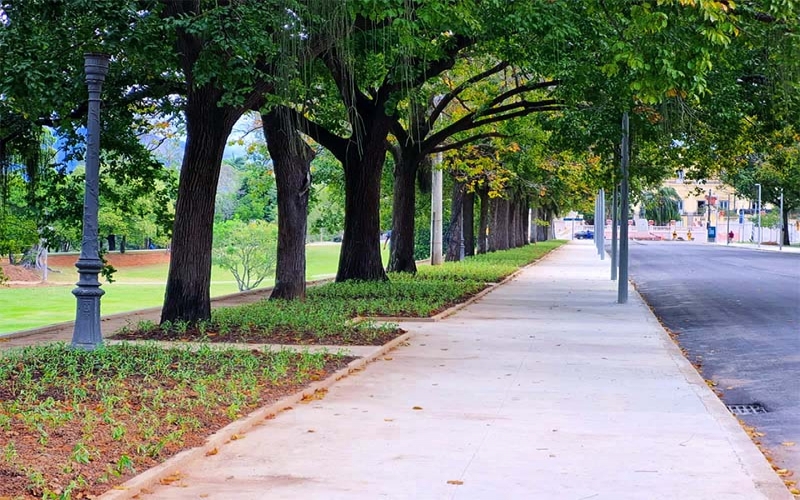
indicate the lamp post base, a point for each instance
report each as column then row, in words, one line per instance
column 87, row 334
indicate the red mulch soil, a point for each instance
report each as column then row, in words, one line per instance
column 20, row 273
column 356, row 336
column 130, row 258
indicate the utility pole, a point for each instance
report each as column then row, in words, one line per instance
column 759, row 214
column 780, row 225
column 728, row 226
column 622, row 282
column 87, row 334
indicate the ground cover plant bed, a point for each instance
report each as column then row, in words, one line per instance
column 74, row 423
column 338, row 313
column 310, row 322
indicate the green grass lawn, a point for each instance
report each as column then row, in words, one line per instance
column 134, row 288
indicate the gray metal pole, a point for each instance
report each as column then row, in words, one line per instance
column 614, row 235
column 728, row 225
column 87, row 334
column 759, row 215
column 780, row 225
column 622, row 282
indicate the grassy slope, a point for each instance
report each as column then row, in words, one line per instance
column 134, row 288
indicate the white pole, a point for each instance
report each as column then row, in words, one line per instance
column 601, row 247
column 436, row 211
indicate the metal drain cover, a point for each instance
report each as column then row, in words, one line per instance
column 749, row 409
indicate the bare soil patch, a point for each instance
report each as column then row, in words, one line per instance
column 356, row 336
column 131, row 258
column 20, row 273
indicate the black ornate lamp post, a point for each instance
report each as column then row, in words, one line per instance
column 87, row 333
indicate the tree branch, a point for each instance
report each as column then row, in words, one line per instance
column 447, row 98
column 332, row 142
column 464, row 142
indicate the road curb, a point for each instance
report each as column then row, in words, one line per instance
column 140, row 484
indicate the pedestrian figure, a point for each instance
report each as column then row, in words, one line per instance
column 730, row 236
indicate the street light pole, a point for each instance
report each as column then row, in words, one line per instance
column 780, row 225
column 759, row 214
column 87, row 334
column 728, row 219
column 622, row 281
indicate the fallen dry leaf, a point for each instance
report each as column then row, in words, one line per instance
column 318, row 394
column 212, row 452
column 388, row 420
column 388, row 358
column 236, row 437
column 311, row 430
column 166, row 481
column 417, row 408
column 455, row 481
column 788, row 443
column 794, row 491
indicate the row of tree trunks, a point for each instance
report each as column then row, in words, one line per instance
column 498, row 229
column 543, row 221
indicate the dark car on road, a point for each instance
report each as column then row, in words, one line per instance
column 586, row 234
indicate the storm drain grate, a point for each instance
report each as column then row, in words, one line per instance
column 750, row 409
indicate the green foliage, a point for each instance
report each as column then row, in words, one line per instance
column 17, row 234
column 247, row 250
column 662, row 205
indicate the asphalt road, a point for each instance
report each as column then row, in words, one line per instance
column 737, row 314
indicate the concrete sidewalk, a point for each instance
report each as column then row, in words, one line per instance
column 544, row 389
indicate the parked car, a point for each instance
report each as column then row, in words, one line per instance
column 586, row 234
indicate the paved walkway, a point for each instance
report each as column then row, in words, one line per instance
column 544, row 389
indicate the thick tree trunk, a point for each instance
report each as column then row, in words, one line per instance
column 360, row 257
column 208, row 125
column 454, row 240
column 469, row 223
column 542, row 231
column 123, row 244
column 513, row 216
column 525, row 226
column 498, row 230
column 291, row 158
column 112, row 242
column 522, row 221
column 483, row 226
column 401, row 258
